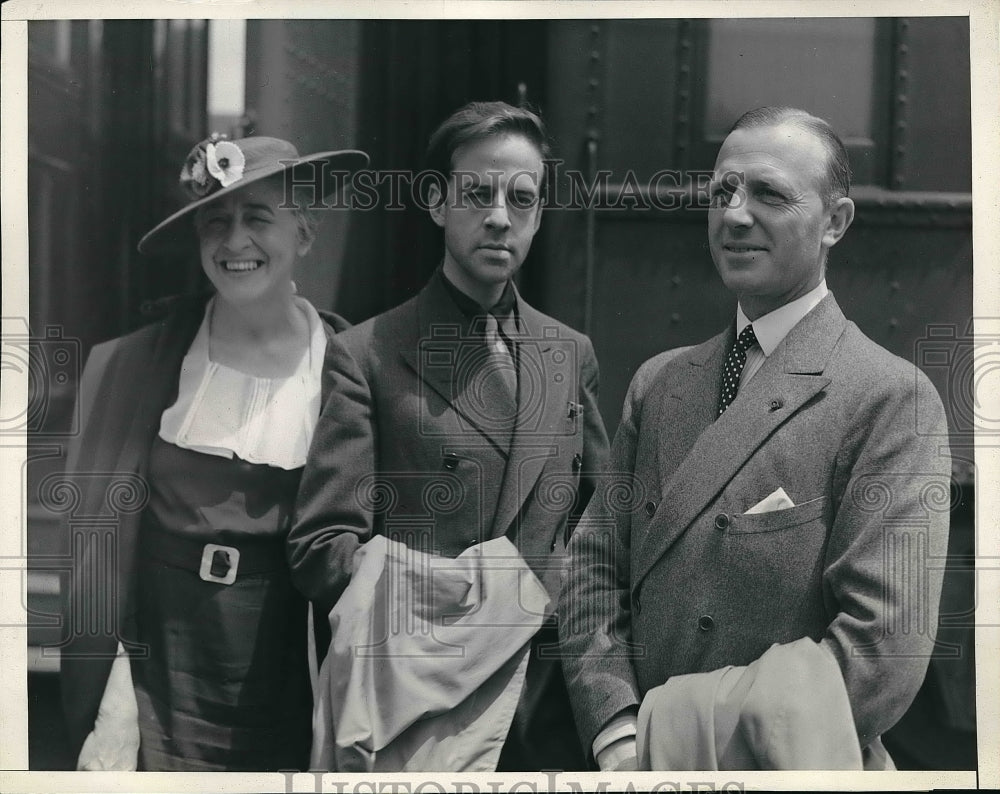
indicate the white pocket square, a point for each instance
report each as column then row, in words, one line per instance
column 774, row 501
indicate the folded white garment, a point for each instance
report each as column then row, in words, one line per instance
column 427, row 661
column 113, row 744
column 778, row 500
column 786, row 710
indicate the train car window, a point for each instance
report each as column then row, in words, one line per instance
column 821, row 64
column 227, row 75
column 833, row 67
column 184, row 46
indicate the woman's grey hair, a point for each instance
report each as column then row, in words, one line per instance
column 306, row 218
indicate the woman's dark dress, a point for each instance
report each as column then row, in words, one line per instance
column 226, row 682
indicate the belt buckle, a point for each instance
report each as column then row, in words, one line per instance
column 229, row 556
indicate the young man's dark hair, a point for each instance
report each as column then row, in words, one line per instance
column 475, row 122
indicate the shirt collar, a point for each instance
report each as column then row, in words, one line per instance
column 774, row 326
column 505, row 307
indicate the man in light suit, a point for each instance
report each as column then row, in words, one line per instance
column 464, row 414
column 769, row 485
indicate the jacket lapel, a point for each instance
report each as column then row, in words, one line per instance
column 544, row 383
column 162, row 375
column 139, row 383
column 790, row 377
column 689, row 406
column 440, row 355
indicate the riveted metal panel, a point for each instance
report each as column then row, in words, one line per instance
column 939, row 145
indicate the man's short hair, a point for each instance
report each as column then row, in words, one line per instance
column 475, row 122
column 838, row 168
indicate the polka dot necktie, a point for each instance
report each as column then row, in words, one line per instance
column 734, row 367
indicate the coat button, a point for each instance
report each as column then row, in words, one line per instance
column 650, row 508
column 450, row 460
column 721, row 521
column 705, row 623
column 577, row 461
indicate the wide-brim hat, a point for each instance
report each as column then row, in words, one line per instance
column 218, row 166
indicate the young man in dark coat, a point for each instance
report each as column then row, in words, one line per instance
column 465, row 391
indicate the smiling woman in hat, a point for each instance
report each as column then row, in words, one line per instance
column 206, row 416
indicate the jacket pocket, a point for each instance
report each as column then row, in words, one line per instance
column 779, row 519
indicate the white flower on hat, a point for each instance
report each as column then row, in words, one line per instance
column 225, row 161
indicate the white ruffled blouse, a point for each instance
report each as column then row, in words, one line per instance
column 221, row 411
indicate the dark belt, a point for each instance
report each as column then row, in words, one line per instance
column 214, row 562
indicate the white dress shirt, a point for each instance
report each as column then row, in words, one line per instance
column 774, row 326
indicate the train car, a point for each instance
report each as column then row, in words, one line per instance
column 636, row 108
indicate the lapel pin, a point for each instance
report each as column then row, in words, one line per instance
column 573, row 410
column 775, row 405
